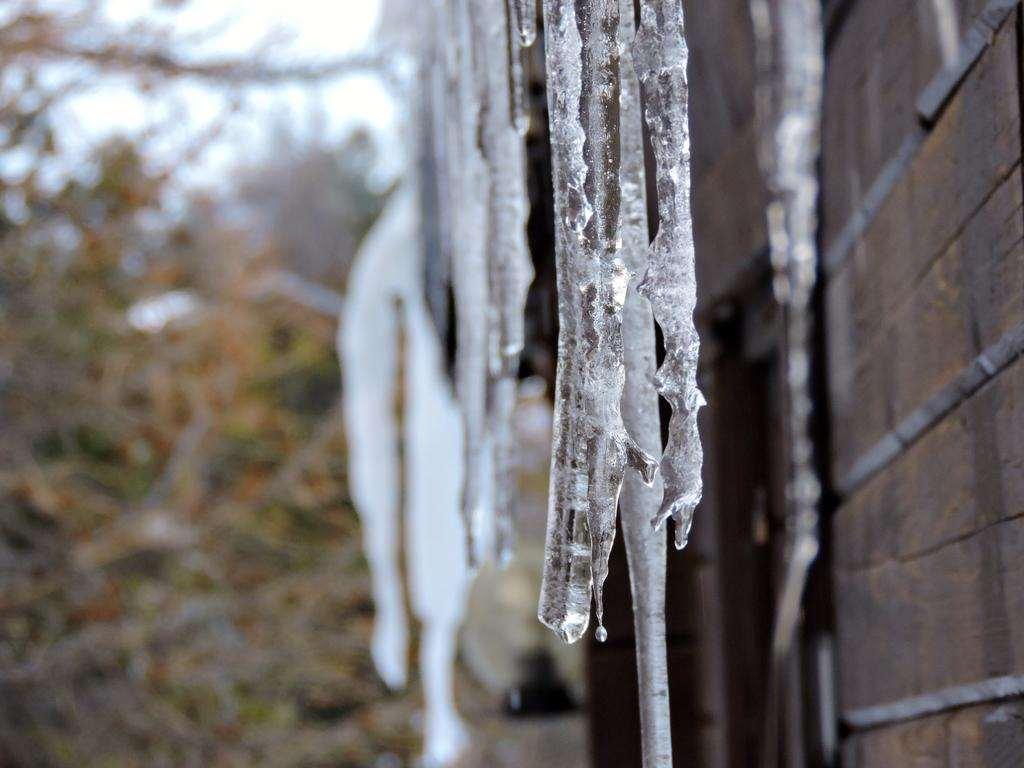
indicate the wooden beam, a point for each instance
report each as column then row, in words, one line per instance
column 956, row 328
column 989, row 735
column 929, row 570
column 925, row 223
column 871, row 98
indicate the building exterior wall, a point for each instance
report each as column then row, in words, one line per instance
column 923, row 247
column 922, row 241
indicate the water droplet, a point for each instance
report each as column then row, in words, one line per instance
column 601, row 633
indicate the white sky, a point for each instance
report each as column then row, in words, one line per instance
column 306, row 30
column 324, row 27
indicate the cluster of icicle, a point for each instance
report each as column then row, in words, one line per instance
column 486, row 207
column 790, row 63
column 606, row 392
column 612, row 288
column 457, row 453
column 593, row 69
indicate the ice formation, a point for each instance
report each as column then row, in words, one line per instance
column 645, row 549
column 947, row 23
column 606, row 390
column 602, row 282
column 790, row 103
column 660, row 57
column 789, row 108
column 566, row 583
column 491, row 266
column 590, row 448
column 509, row 268
column 368, row 326
column 468, row 207
column 386, row 271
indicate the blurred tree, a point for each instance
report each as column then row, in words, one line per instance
column 311, row 200
column 181, row 576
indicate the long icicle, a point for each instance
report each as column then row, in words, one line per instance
column 603, row 282
column 660, row 55
column 566, row 582
column 510, row 270
column 645, row 549
column 469, row 276
column 789, row 109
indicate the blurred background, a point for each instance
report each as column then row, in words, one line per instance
column 182, row 188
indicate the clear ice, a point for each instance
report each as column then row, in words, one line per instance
column 639, row 503
column 509, row 267
column 468, row 204
column 590, row 448
column 660, row 56
column 566, row 581
column 603, row 281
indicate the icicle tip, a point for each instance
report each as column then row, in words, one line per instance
column 681, row 514
column 639, row 460
column 569, row 630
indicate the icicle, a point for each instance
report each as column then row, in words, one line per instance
column 947, row 24
column 435, row 171
column 526, row 21
column 503, row 394
column 521, row 21
column 645, row 549
column 369, row 327
column 469, row 275
column 510, row 269
column 517, row 75
column 789, row 108
column 603, row 281
column 792, row 225
column 566, row 585
column 590, row 447
column 387, row 271
column 660, row 55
